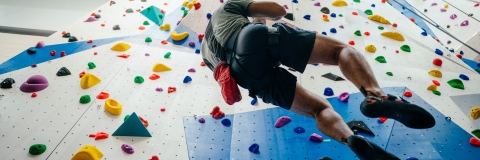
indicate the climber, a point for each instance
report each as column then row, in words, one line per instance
column 255, row 50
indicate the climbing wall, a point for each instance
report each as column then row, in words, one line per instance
column 56, row 118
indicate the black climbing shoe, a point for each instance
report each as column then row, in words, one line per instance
column 390, row 106
column 366, row 150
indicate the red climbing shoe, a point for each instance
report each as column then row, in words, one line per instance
column 390, row 106
column 366, row 150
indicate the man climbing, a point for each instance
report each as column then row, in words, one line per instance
column 254, row 52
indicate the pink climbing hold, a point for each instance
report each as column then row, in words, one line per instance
column 476, row 5
column 341, row 26
column 316, row 138
column 90, row 19
column 191, row 70
column 191, row 44
column 282, row 121
column 221, row 1
column 443, row 9
column 317, row 4
column 40, row 44
column 453, row 16
column 434, row 4
column 285, row 6
column 158, row 89
column 344, row 97
column 464, row 23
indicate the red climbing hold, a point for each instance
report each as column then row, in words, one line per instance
column 383, row 1
column 154, row 77
column 91, row 135
column 124, row 56
column 101, row 135
column 475, row 141
column 62, row 54
column 144, row 121
column 94, row 53
column 407, row 94
column 154, row 158
column 89, row 41
column 52, row 53
column 162, row 109
column 394, row 25
column 438, row 40
column 396, row 51
column 200, row 37
column 103, row 95
column 412, row 19
column 437, row 62
column 171, row 89
column 34, row 95
column 197, row 5
column 459, row 56
column 382, row 119
column 124, row 15
column 81, row 74
column 164, row 42
column 436, row 82
column 202, row 64
column 216, row 113
column 367, row 33
column 476, row 5
column 162, row 11
column 354, row 13
column 351, row 42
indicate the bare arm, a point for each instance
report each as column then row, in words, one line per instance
column 266, row 9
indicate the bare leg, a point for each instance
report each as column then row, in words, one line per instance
column 328, row 121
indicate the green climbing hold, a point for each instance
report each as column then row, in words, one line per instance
column 91, row 65
column 37, row 149
column 436, row 93
column 478, row 70
column 358, row 33
column 167, row 55
column 368, row 12
column 185, row 12
column 183, row 8
column 146, row 23
column 358, row 1
column 148, row 39
column 149, row 8
column 139, row 79
column 160, row 16
column 405, row 48
column 380, row 28
column 381, row 59
column 126, row 117
column 340, row 15
column 476, row 133
column 456, row 83
column 85, row 99
column 390, row 73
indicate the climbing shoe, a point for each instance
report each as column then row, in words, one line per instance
column 399, row 109
column 366, row 150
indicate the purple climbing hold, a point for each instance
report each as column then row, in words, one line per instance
column 341, row 26
column 453, row 16
column 147, row 54
column 127, row 148
column 192, row 70
column 99, row 10
column 282, row 121
column 221, row 1
column 317, row 4
column 316, row 138
column 191, row 44
column 201, row 120
column 464, row 23
column 434, row 4
column 344, row 97
column 158, row 89
column 443, row 9
column 285, row 6
column 40, row 44
column 90, row 19
column 328, row 91
column 34, row 84
column 179, row 22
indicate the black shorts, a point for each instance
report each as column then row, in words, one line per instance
column 261, row 61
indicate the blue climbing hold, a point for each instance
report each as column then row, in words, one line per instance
column 333, row 15
column 451, row 50
column 197, row 51
column 373, row 5
column 307, row 17
column 328, row 91
column 187, row 79
column 324, row 33
column 254, row 148
column 333, row 30
column 295, row 1
column 209, row 15
column 424, row 33
column 226, row 122
column 299, row 130
column 315, row 64
column 412, row 158
column 438, row 51
column 461, row 52
column 254, row 102
column 464, row 77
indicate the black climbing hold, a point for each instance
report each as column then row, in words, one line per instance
column 97, row 16
column 470, row 14
column 333, row 77
column 66, row 35
column 7, row 83
column 448, row 42
column 129, row 10
column 113, row 2
column 325, row 10
column 72, row 39
column 360, row 126
column 143, row 0
column 425, row 10
column 63, row 72
column 289, row 16
column 325, row 158
column 116, row 27
column 31, row 51
column 448, row 26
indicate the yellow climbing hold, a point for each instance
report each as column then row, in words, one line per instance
column 178, row 37
column 190, row 5
column 379, row 19
column 432, row 87
column 88, row 152
column 113, row 107
column 446, row 6
column 185, row 3
column 165, row 27
column 371, row 48
column 120, row 47
column 159, row 67
column 326, row 19
column 436, row 73
column 475, row 112
column 339, row 3
column 88, row 80
column 394, row 35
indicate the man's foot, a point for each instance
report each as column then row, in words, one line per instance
column 399, row 109
column 366, row 150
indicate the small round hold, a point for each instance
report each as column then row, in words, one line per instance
column 448, row 26
column 470, row 14
column 448, row 42
column 425, row 10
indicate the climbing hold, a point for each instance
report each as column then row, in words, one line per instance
column 333, row 77
column 390, row 73
column 435, row 73
column 316, row 138
column 379, row 19
column 328, row 91
column 360, row 126
column 434, row 4
column 154, row 77
column 464, row 23
column 382, row 119
column 316, row 4
column 66, row 35
column 201, row 120
column 307, row 17
column 34, row 65
column 97, row 16
column 333, row 30
column 412, row 19
column 144, row 121
column 120, row 47
column 91, row 19
column 209, row 15
column 217, row 113
column 72, row 39
column 37, row 149
column 116, row 27
column 88, row 80
column 407, row 94
column 81, row 74
column 380, row 28
column 85, row 99
column 63, row 72
column 282, row 121
column 456, row 83
column 341, row 26
column 333, row 15
column 358, row 33
column 405, row 48
column 432, row 87
column 91, row 65
column 197, row 5
column 424, row 33
column 127, row 148
column 435, row 82
column 443, row 10
column 339, row 3
column 381, row 59
column 200, row 37
column 103, row 95
column 299, row 130
column 158, row 89
column 394, row 35
column 325, row 10
column 371, row 48
column 146, row 23
column 34, row 84
column 324, row 33
column 475, row 142
column 475, row 112
column 202, row 64
column 113, row 107
column 148, row 39
column 139, row 79
column 178, row 37
column 340, row 15
column 254, row 148
column 344, row 96
column 226, row 122
column 438, row 51
column 254, row 101
column 165, row 27
column 459, row 56
column 295, row 1
column 368, row 12
column 129, row 10
column 476, row 133
column 191, row 44
column 453, row 16
column 164, row 42
column 351, row 42
column 289, row 16
column 160, row 67
column 99, row 135
column 40, row 44
column 88, row 152
column 437, row 62
column 123, row 56
column 7, row 83
column 52, row 53
column 171, row 89
column 192, row 70
column 355, row 13
column 34, row 95
column 436, row 92
column 464, row 77
column 187, row 79
column 154, row 158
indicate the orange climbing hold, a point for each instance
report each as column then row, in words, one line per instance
column 216, row 113
column 103, row 95
column 138, row 10
column 99, row 135
column 367, row 33
column 172, row 89
column 93, row 14
column 154, row 77
column 103, row 25
column 412, row 19
column 324, row 16
column 351, row 42
column 124, row 56
column 89, row 41
column 354, row 13
column 435, row 82
column 63, row 32
column 407, row 94
column 394, row 25
column 81, row 74
column 164, row 42
column 141, row 28
column 383, row 1
column 162, row 11
column 144, row 121
column 202, row 64
column 166, row 4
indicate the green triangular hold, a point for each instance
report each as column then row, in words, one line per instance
column 126, row 117
column 358, row 1
column 152, row 13
column 160, row 16
column 146, row 23
column 139, row 79
column 390, row 73
column 85, row 99
column 380, row 28
column 405, row 48
column 185, row 12
column 91, row 65
column 340, row 15
column 381, row 59
column 436, row 93
column 476, row 133
column 148, row 39
column 167, row 55
column 358, row 33
column 132, row 127
column 456, row 83
column 149, row 8
column 368, row 12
